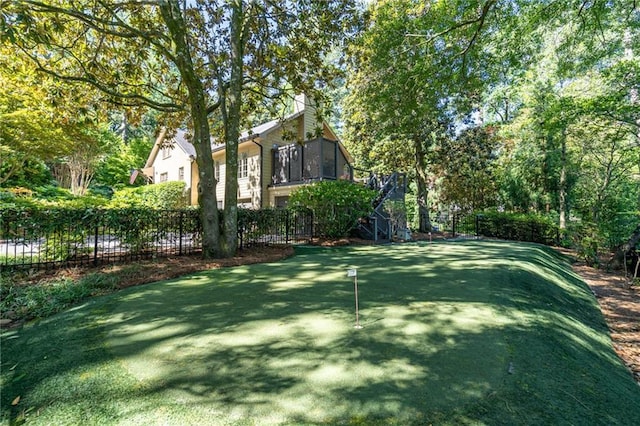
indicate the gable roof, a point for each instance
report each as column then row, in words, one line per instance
column 179, row 140
column 263, row 129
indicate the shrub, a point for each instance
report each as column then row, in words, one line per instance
column 20, row 191
column 101, row 191
column 517, row 227
column 163, row 196
column 336, row 205
column 136, row 227
column 256, row 223
column 84, row 202
column 62, row 234
column 45, row 298
column 53, row 193
column 273, row 224
column 46, row 197
column 7, row 199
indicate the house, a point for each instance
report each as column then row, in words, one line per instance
column 171, row 161
column 273, row 159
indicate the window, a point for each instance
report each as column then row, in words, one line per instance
column 243, row 167
column 164, row 177
column 166, row 152
column 245, row 203
column 281, row 202
column 181, row 173
column 216, row 170
column 329, row 159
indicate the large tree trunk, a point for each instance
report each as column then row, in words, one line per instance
column 201, row 134
column 207, row 199
column 231, row 106
column 423, row 186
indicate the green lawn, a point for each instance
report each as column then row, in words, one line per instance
column 454, row 333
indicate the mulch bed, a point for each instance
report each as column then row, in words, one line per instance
column 620, row 305
column 147, row 271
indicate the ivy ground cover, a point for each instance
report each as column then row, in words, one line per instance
column 453, row 333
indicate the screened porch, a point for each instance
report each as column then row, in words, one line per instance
column 316, row 159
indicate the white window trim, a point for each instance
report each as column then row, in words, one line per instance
column 243, row 166
column 216, row 170
column 166, row 152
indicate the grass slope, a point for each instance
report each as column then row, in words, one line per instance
column 454, row 333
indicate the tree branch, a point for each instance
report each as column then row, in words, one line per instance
column 108, row 27
column 458, row 25
column 480, row 21
column 13, row 168
column 136, row 99
column 213, row 107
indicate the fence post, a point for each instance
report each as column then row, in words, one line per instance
column 532, row 231
column 286, row 224
column 477, row 225
column 241, row 234
column 453, row 230
column 312, row 224
column 95, row 247
column 181, row 230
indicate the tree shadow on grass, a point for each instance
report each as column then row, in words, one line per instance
column 452, row 333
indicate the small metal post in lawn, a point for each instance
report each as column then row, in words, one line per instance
column 354, row 273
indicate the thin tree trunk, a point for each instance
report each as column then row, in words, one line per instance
column 81, row 170
column 231, row 119
column 423, row 186
column 602, row 191
column 10, row 171
column 562, row 196
column 207, row 199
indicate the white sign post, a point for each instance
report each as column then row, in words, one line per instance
column 354, row 273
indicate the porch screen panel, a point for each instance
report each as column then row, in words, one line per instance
column 344, row 168
column 312, row 159
column 281, row 165
column 329, row 159
column 295, row 163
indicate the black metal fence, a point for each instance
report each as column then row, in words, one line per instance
column 495, row 225
column 454, row 224
column 46, row 239
column 274, row 226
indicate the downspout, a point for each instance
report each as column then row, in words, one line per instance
column 261, row 173
column 192, row 161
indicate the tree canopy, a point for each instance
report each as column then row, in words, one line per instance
column 41, row 120
column 504, row 104
column 204, row 64
column 528, row 106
